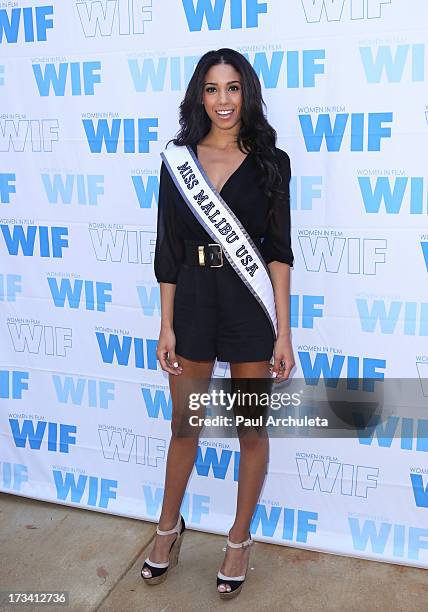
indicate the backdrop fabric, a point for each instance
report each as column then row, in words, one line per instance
column 89, row 95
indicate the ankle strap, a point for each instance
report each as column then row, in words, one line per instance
column 241, row 544
column 175, row 529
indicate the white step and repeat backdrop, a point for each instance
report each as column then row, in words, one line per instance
column 89, row 95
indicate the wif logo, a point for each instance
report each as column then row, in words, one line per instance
column 214, row 10
column 395, row 316
column 137, row 134
column 30, row 135
column 390, row 193
column 81, row 76
column 333, row 477
column 123, row 17
column 339, row 10
column 121, row 245
column 34, row 240
column 394, row 63
column 332, row 252
column 366, row 130
column 82, row 189
column 401, row 541
column 37, row 339
column 31, row 22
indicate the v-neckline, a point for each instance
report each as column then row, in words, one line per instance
column 195, row 150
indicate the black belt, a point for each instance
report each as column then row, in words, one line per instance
column 205, row 254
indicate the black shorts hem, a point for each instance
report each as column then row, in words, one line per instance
column 244, row 358
column 194, row 357
column 224, row 358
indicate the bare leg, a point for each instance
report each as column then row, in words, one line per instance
column 254, row 454
column 181, row 453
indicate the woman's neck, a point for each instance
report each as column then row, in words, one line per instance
column 221, row 139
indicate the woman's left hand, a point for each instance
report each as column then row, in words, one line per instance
column 284, row 359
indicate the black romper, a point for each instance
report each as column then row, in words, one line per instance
column 215, row 315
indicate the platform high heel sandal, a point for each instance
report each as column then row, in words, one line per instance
column 159, row 571
column 235, row 582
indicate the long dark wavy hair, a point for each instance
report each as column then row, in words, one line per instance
column 256, row 135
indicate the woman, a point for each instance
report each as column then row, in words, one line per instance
column 208, row 312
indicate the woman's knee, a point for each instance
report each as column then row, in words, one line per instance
column 253, row 439
column 183, row 431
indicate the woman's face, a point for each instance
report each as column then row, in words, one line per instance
column 222, row 96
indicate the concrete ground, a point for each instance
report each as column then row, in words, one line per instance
column 97, row 558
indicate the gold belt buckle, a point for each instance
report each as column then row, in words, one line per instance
column 220, row 253
column 201, row 255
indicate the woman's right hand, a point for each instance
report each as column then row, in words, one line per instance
column 166, row 352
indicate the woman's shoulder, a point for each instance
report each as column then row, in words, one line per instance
column 284, row 164
column 282, row 155
column 171, row 144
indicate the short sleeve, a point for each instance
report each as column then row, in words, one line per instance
column 169, row 249
column 276, row 245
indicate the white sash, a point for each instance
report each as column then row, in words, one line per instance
column 222, row 225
